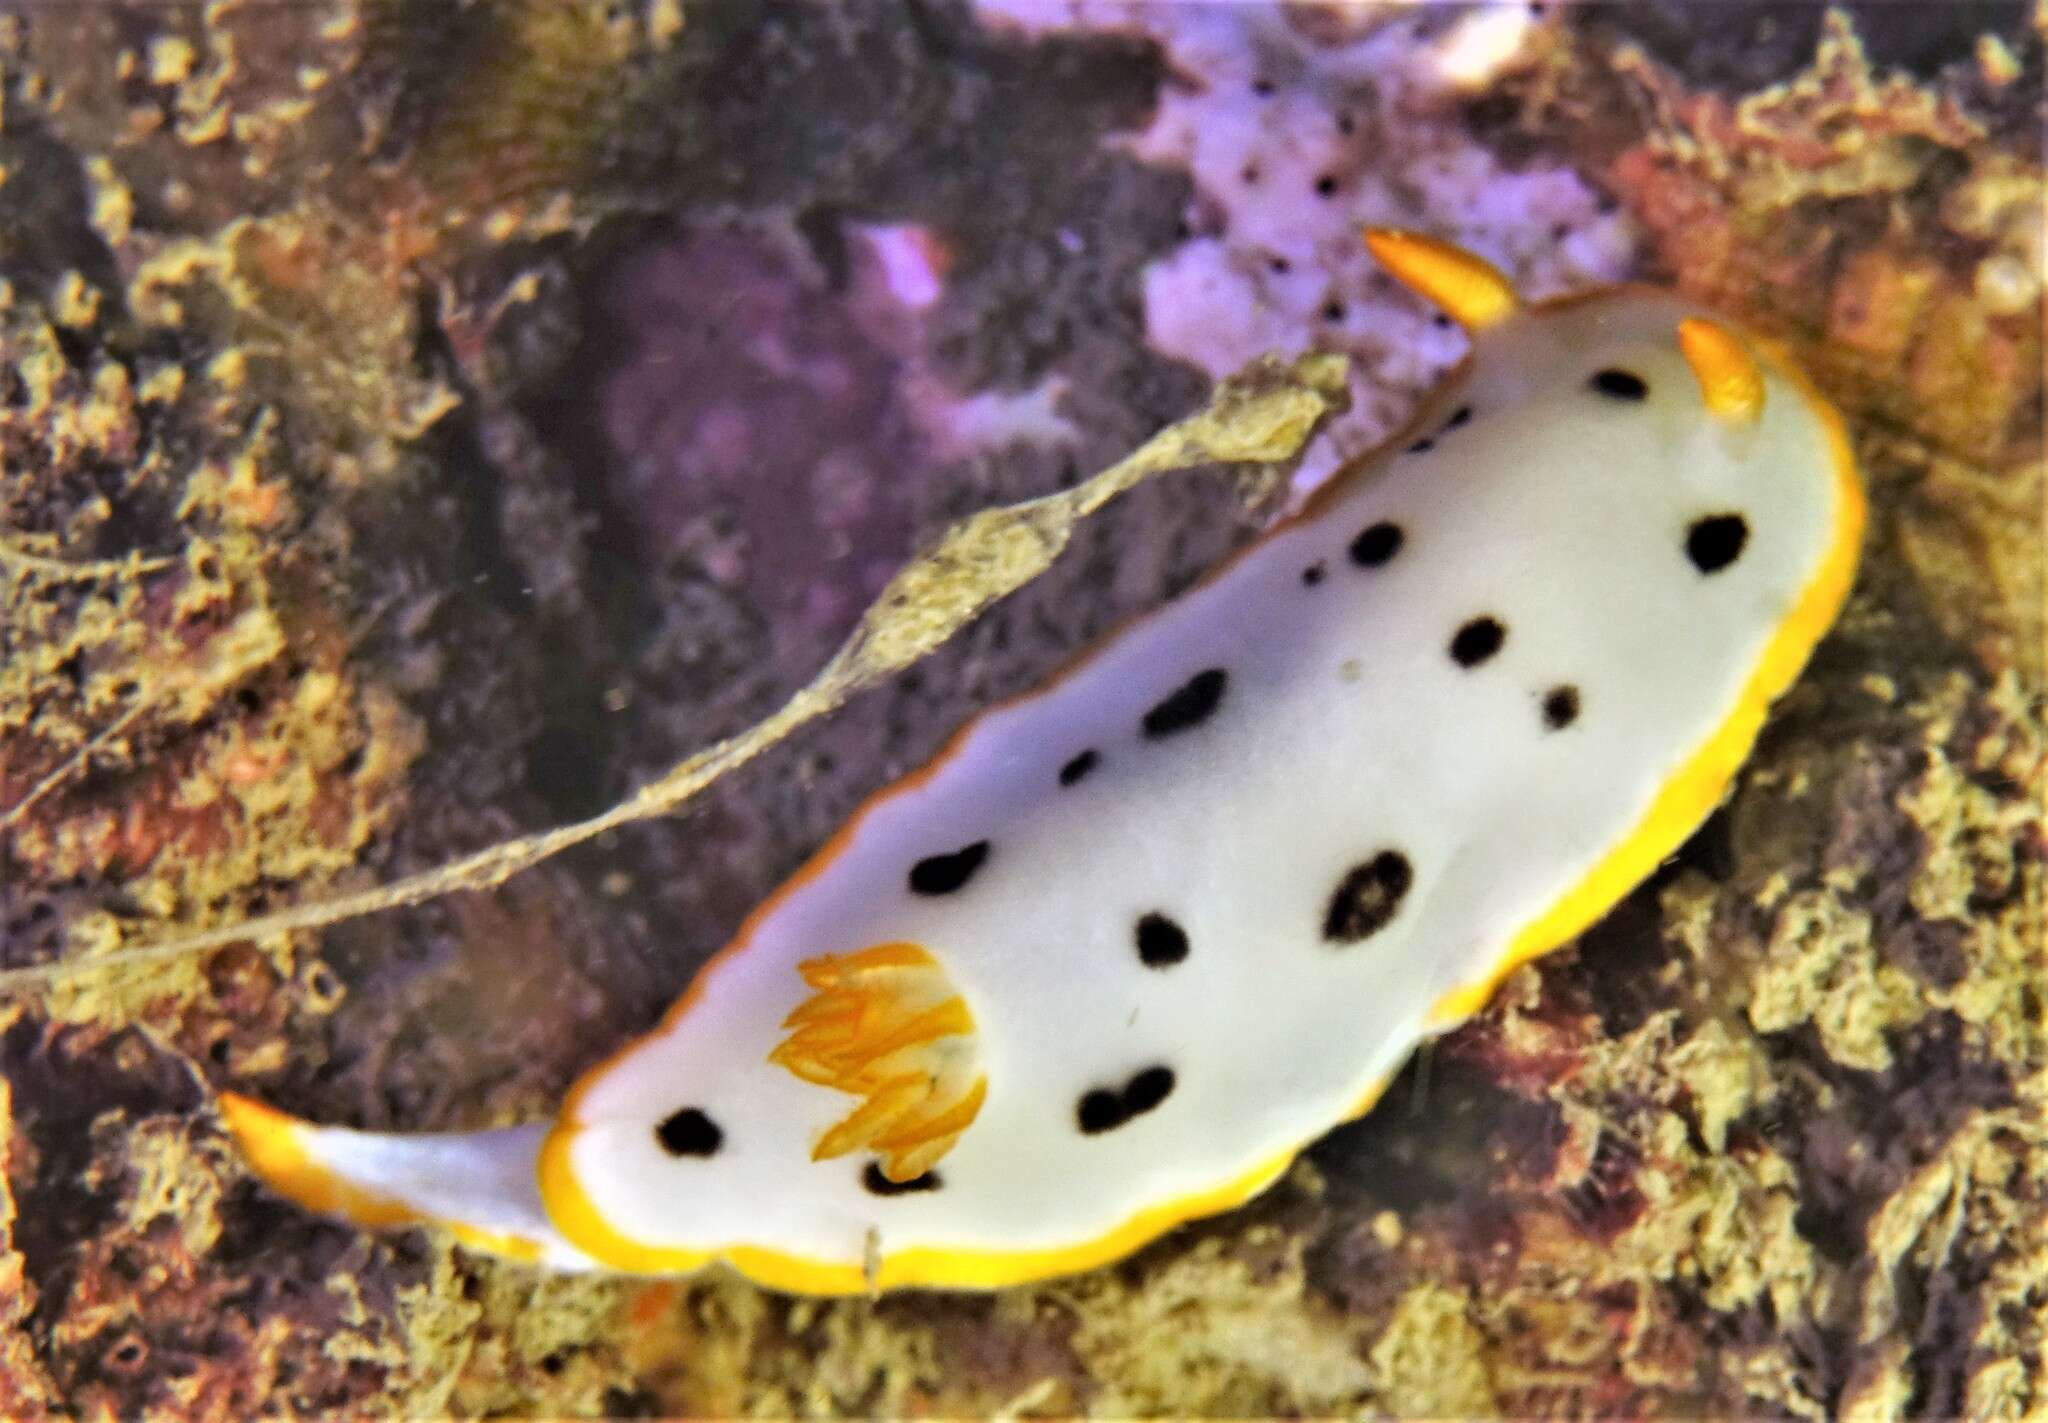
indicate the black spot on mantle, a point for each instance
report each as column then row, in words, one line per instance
column 1188, row 707
column 876, row 1183
column 1620, row 384
column 689, row 1132
column 1560, row 707
column 945, row 874
column 1715, row 542
column 1376, row 545
column 1367, row 898
column 1080, row 766
column 1477, row 641
column 1104, row 1110
column 1161, row 942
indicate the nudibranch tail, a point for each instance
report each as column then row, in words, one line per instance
column 479, row 1186
column 885, row 1024
column 1730, row 382
column 1470, row 289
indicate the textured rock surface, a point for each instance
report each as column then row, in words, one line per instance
column 343, row 528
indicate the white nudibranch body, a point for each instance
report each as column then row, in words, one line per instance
column 1132, row 941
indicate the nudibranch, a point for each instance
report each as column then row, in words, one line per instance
column 1130, row 942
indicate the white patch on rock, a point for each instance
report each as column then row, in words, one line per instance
column 1301, row 126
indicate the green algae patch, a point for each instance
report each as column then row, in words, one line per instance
column 1432, row 1360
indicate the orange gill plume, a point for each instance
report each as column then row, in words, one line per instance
column 885, row 1024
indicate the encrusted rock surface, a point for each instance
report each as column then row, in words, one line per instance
column 346, row 525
